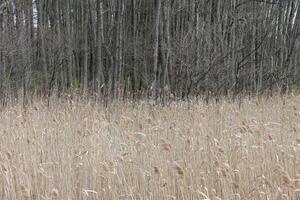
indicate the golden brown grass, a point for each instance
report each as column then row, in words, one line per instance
column 182, row 151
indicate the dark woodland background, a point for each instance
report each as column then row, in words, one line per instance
column 148, row 48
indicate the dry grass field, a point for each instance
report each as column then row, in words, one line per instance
column 182, row 151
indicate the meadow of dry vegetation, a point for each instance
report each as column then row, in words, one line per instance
column 124, row 151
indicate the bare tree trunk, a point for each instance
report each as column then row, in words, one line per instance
column 253, row 57
column 2, row 63
column 42, row 26
column 134, row 44
column 68, row 56
column 166, row 77
column 155, row 53
column 119, row 48
column 85, row 26
column 100, row 76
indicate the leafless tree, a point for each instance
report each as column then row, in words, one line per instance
column 148, row 48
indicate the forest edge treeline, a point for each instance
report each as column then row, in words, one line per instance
column 148, row 48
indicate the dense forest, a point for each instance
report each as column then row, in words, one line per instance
column 148, row 48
